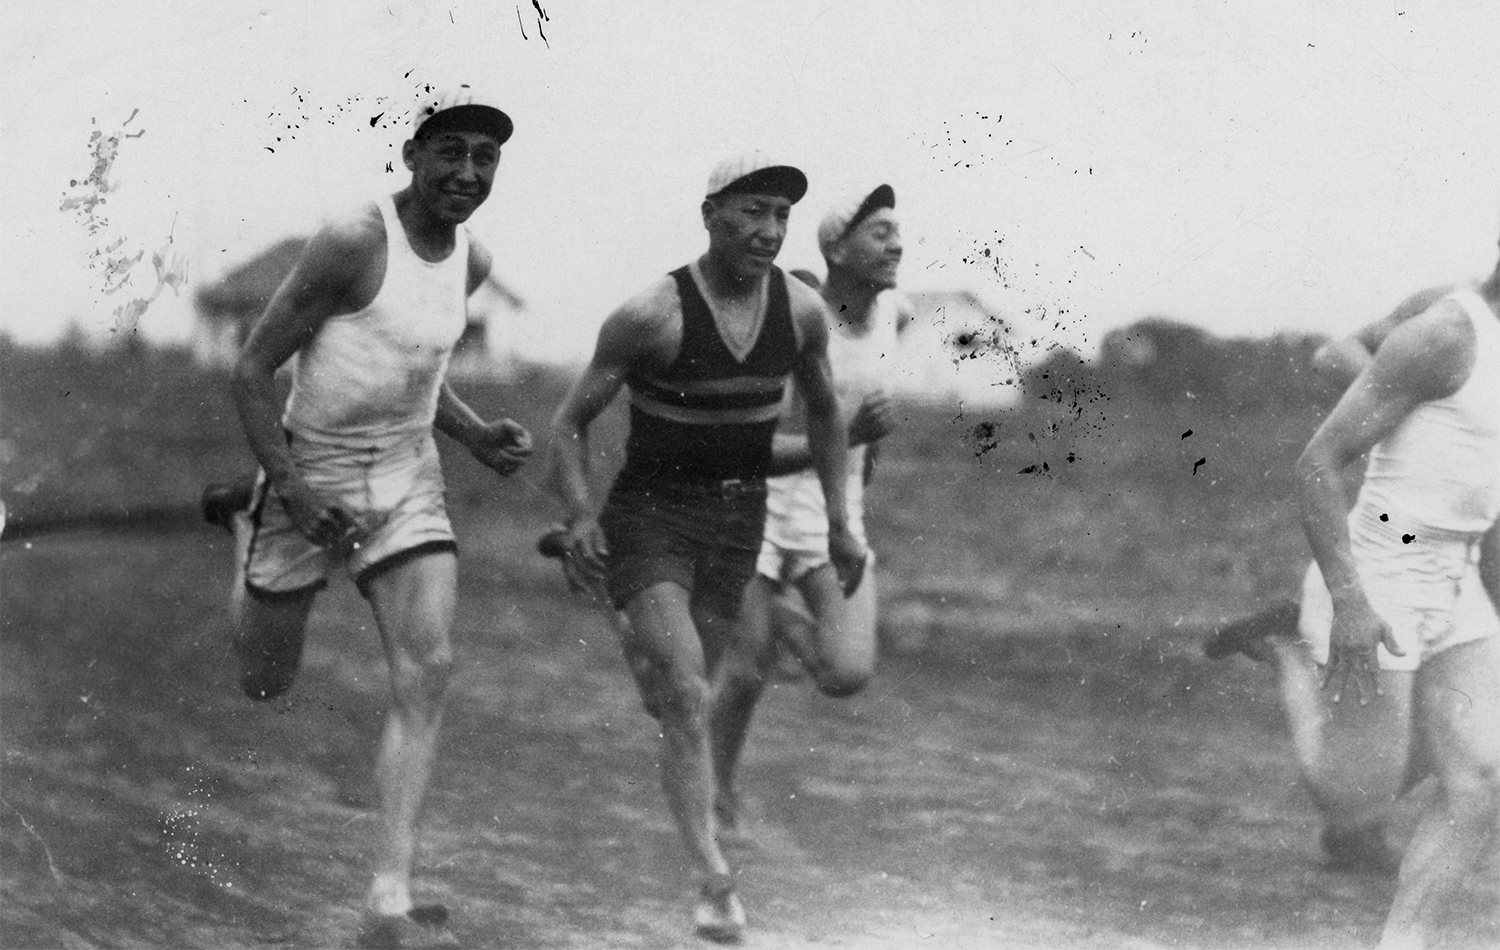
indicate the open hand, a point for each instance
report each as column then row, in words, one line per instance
column 583, row 554
column 1352, row 654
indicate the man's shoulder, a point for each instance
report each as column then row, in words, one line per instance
column 1432, row 351
column 657, row 303
column 803, row 298
column 809, row 309
column 1445, row 323
column 357, row 230
column 645, row 328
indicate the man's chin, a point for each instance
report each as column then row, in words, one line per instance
column 458, row 210
column 751, row 268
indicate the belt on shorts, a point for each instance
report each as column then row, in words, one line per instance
column 726, row 489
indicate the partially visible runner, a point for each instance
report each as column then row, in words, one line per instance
column 1353, row 762
column 706, row 353
column 349, row 469
column 833, row 635
column 1403, row 571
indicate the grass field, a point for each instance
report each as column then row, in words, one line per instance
column 1045, row 760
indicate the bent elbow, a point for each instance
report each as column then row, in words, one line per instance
column 1316, row 464
column 246, row 376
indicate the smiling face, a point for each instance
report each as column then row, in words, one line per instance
column 452, row 172
column 871, row 253
column 745, row 231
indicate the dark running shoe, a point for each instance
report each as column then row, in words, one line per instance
column 423, row 926
column 1246, row 636
column 222, row 499
column 553, row 542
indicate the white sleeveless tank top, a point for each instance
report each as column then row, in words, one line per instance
column 372, row 377
column 862, row 364
column 1440, row 468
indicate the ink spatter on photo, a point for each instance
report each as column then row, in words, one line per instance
column 115, row 259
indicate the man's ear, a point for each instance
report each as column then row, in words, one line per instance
column 408, row 154
column 708, row 210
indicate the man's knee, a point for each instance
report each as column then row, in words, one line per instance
column 1474, row 793
column 423, row 677
column 648, row 683
column 843, row 680
column 846, row 658
column 681, row 694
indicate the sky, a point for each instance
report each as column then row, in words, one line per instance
column 1248, row 167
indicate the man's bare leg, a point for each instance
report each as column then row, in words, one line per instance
column 739, row 678
column 845, row 648
column 268, row 636
column 664, row 632
column 794, row 631
column 839, row 651
column 1457, row 701
column 665, row 636
column 413, row 605
column 1355, row 761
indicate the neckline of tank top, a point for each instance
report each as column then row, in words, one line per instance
column 740, row 350
column 394, row 218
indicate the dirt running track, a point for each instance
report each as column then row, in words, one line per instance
column 1043, row 797
column 1052, row 765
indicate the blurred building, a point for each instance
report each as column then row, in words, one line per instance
column 226, row 309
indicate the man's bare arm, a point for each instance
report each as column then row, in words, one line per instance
column 625, row 342
column 1341, row 361
column 480, row 263
column 1423, row 359
column 503, row 445
column 826, row 439
column 872, row 421
column 319, row 286
column 825, row 436
column 1489, row 564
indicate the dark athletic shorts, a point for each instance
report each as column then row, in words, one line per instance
column 703, row 536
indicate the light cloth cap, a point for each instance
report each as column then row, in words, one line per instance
column 754, row 173
column 847, row 215
column 460, row 109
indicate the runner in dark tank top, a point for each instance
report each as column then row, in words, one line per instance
column 706, row 353
column 709, row 415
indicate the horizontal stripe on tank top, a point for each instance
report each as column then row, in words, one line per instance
column 708, row 416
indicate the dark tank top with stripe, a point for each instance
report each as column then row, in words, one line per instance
column 709, row 416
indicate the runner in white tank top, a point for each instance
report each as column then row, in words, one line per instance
column 1431, row 490
column 796, row 518
column 834, row 634
column 372, row 377
column 349, row 471
column 1355, row 767
column 1405, row 571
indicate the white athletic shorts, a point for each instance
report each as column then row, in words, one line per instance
column 1428, row 590
column 796, row 537
column 394, row 492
